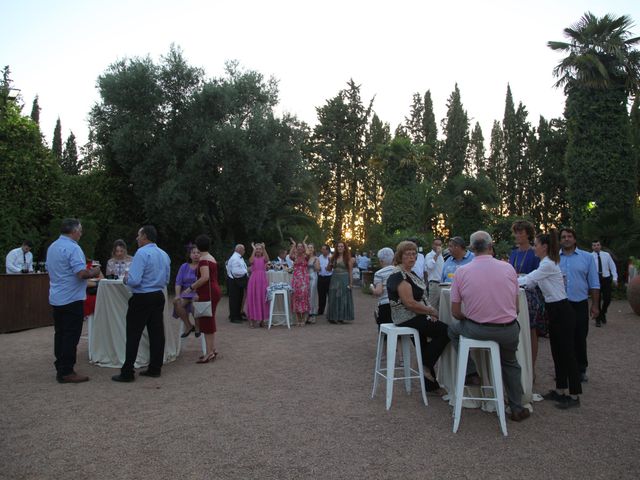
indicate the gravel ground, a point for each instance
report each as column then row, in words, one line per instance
column 295, row 404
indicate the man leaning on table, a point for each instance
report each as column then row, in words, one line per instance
column 68, row 276
column 147, row 277
column 489, row 290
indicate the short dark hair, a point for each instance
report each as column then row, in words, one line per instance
column 28, row 243
column 569, row 230
column 150, row 232
column 595, row 241
column 524, row 225
column 69, row 225
column 458, row 241
column 203, row 242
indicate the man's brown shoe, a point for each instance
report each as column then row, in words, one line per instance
column 73, row 378
column 521, row 415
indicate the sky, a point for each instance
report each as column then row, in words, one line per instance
column 58, row 49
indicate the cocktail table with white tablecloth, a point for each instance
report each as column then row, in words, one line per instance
column 108, row 328
column 448, row 364
column 279, row 277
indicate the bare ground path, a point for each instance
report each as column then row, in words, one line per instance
column 295, row 404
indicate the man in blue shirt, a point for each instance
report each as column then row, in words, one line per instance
column 459, row 255
column 581, row 276
column 68, row 276
column 147, row 277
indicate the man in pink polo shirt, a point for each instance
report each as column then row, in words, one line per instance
column 489, row 290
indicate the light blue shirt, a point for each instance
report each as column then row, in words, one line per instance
column 149, row 271
column 64, row 260
column 363, row 262
column 581, row 274
column 451, row 265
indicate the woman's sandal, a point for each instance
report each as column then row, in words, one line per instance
column 186, row 334
column 208, row 358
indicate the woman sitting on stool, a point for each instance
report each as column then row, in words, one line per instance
column 410, row 308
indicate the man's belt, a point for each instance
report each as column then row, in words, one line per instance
column 508, row 324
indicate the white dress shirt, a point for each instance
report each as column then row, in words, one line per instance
column 608, row 265
column 548, row 277
column 418, row 267
column 433, row 266
column 16, row 258
column 324, row 263
column 236, row 268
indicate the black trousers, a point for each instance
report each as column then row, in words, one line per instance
column 384, row 314
column 437, row 331
column 67, row 324
column 562, row 327
column 323, row 291
column 145, row 310
column 605, row 296
column 236, row 291
column 581, row 312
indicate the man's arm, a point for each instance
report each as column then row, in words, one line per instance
column 12, row 264
column 614, row 270
column 456, row 310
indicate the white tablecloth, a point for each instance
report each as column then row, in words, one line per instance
column 448, row 363
column 280, row 276
column 108, row 328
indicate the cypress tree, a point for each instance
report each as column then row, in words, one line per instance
column 69, row 160
column 56, row 146
column 35, row 111
column 456, row 129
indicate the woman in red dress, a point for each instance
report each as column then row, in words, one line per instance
column 207, row 288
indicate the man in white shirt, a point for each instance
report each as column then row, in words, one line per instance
column 324, row 277
column 237, row 281
column 433, row 266
column 20, row 260
column 608, row 276
column 418, row 267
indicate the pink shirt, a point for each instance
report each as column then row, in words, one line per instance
column 488, row 288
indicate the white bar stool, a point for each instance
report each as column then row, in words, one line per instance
column 392, row 333
column 203, row 344
column 496, row 380
column 285, row 299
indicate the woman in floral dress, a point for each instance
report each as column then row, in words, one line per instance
column 300, row 282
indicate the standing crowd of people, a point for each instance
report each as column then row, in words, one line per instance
column 558, row 278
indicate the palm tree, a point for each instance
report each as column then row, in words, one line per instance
column 600, row 54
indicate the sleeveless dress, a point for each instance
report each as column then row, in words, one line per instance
column 208, row 324
column 313, row 287
column 340, row 299
column 300, row 285
column 256, row 305
column 525, row 263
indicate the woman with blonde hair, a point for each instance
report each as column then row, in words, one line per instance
column 410, row 308
column 256, row 304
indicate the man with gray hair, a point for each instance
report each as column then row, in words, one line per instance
column 237, row 282
column 68, row 277
column 489, row 290
column 459, row 256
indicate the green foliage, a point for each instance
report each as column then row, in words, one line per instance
column 35, row 111
column 30, row 181
column 56, row 146
column 455, row 127
column 69, row 161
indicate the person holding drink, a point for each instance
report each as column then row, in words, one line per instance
column 20, row 260
column 182, row 302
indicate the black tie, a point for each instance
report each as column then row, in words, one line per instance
column 599, row 264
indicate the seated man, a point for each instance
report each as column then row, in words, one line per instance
column 489, row 290
column 458, row 256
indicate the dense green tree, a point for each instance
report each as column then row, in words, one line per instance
column 56, row 144
column 377, row 138
column 477, row 160
column 429, row 127
column 455, row 127
column 414, row 124
column 195, row 155
column 69, row 161
column 340, row 161
column 635, row 135
column 30, row 179
column 496, row 165
column 600, row 70
column 35, row 111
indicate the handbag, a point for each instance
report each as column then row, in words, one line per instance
column 203, row 309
